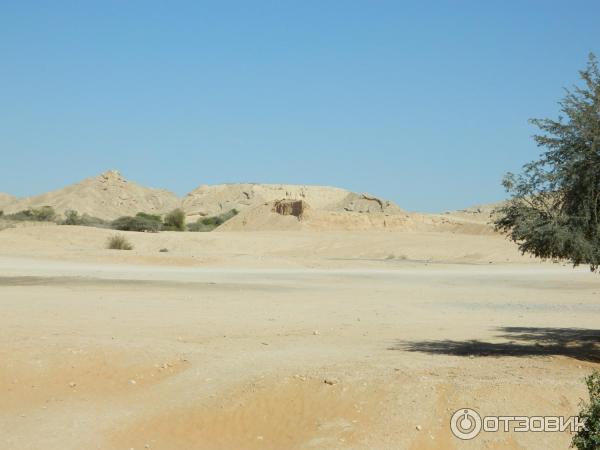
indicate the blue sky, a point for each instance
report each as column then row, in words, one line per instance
column 423, row 103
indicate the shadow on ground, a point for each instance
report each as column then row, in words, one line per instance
column 578, row 343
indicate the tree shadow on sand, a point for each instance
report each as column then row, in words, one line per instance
column 578, row 343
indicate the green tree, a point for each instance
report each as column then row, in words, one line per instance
column 140, row 222
column 175, row 220
column 554, row 209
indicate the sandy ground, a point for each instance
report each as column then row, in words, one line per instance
column 284, row 340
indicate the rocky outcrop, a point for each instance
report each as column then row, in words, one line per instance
column 216, row 199
column 294, row 208
column 365, row 203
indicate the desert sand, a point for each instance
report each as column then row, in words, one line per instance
column 284, row 340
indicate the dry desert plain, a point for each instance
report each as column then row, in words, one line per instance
column 284, row 340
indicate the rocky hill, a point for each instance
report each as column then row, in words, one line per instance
column 106, row 196
column 261, row 207
column 213, row 200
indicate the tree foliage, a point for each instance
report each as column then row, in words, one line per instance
column 588, row 438
column 140, row 222
column 554, row 210
column 175, row 220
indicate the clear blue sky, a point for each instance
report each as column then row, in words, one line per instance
column 423, row 103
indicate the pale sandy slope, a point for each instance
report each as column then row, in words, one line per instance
column 266, row 249
column 264, row 218
column 106, row 196
column 5, row 200
column 225, row 342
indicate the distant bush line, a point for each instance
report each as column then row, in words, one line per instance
column 142, row 222
column 43, row 214
column 210, row 223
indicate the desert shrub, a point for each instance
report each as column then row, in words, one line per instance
column 42, row 214
column 72, row 217
column 140, row 222
column 91, row 221
column 164, row 250
column 210, row 223
column 588, row 438
column 118, row 242
column 174, row 221
column 153, row 217
column 199, row 225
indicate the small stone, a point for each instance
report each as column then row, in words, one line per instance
column 330, row 381
column 132, row 382
column 72, row 384
column 419, row 427
column 316, row 332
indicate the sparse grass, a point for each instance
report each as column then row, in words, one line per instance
column 393, row 257
column 118, row 242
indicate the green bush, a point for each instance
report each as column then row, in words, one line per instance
column 72, row 218
column 42, row 214
column 153, row 217
column 588, row 438
column 174, row 221
column 118, row 242
column 141, row 222
column 210, row 223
